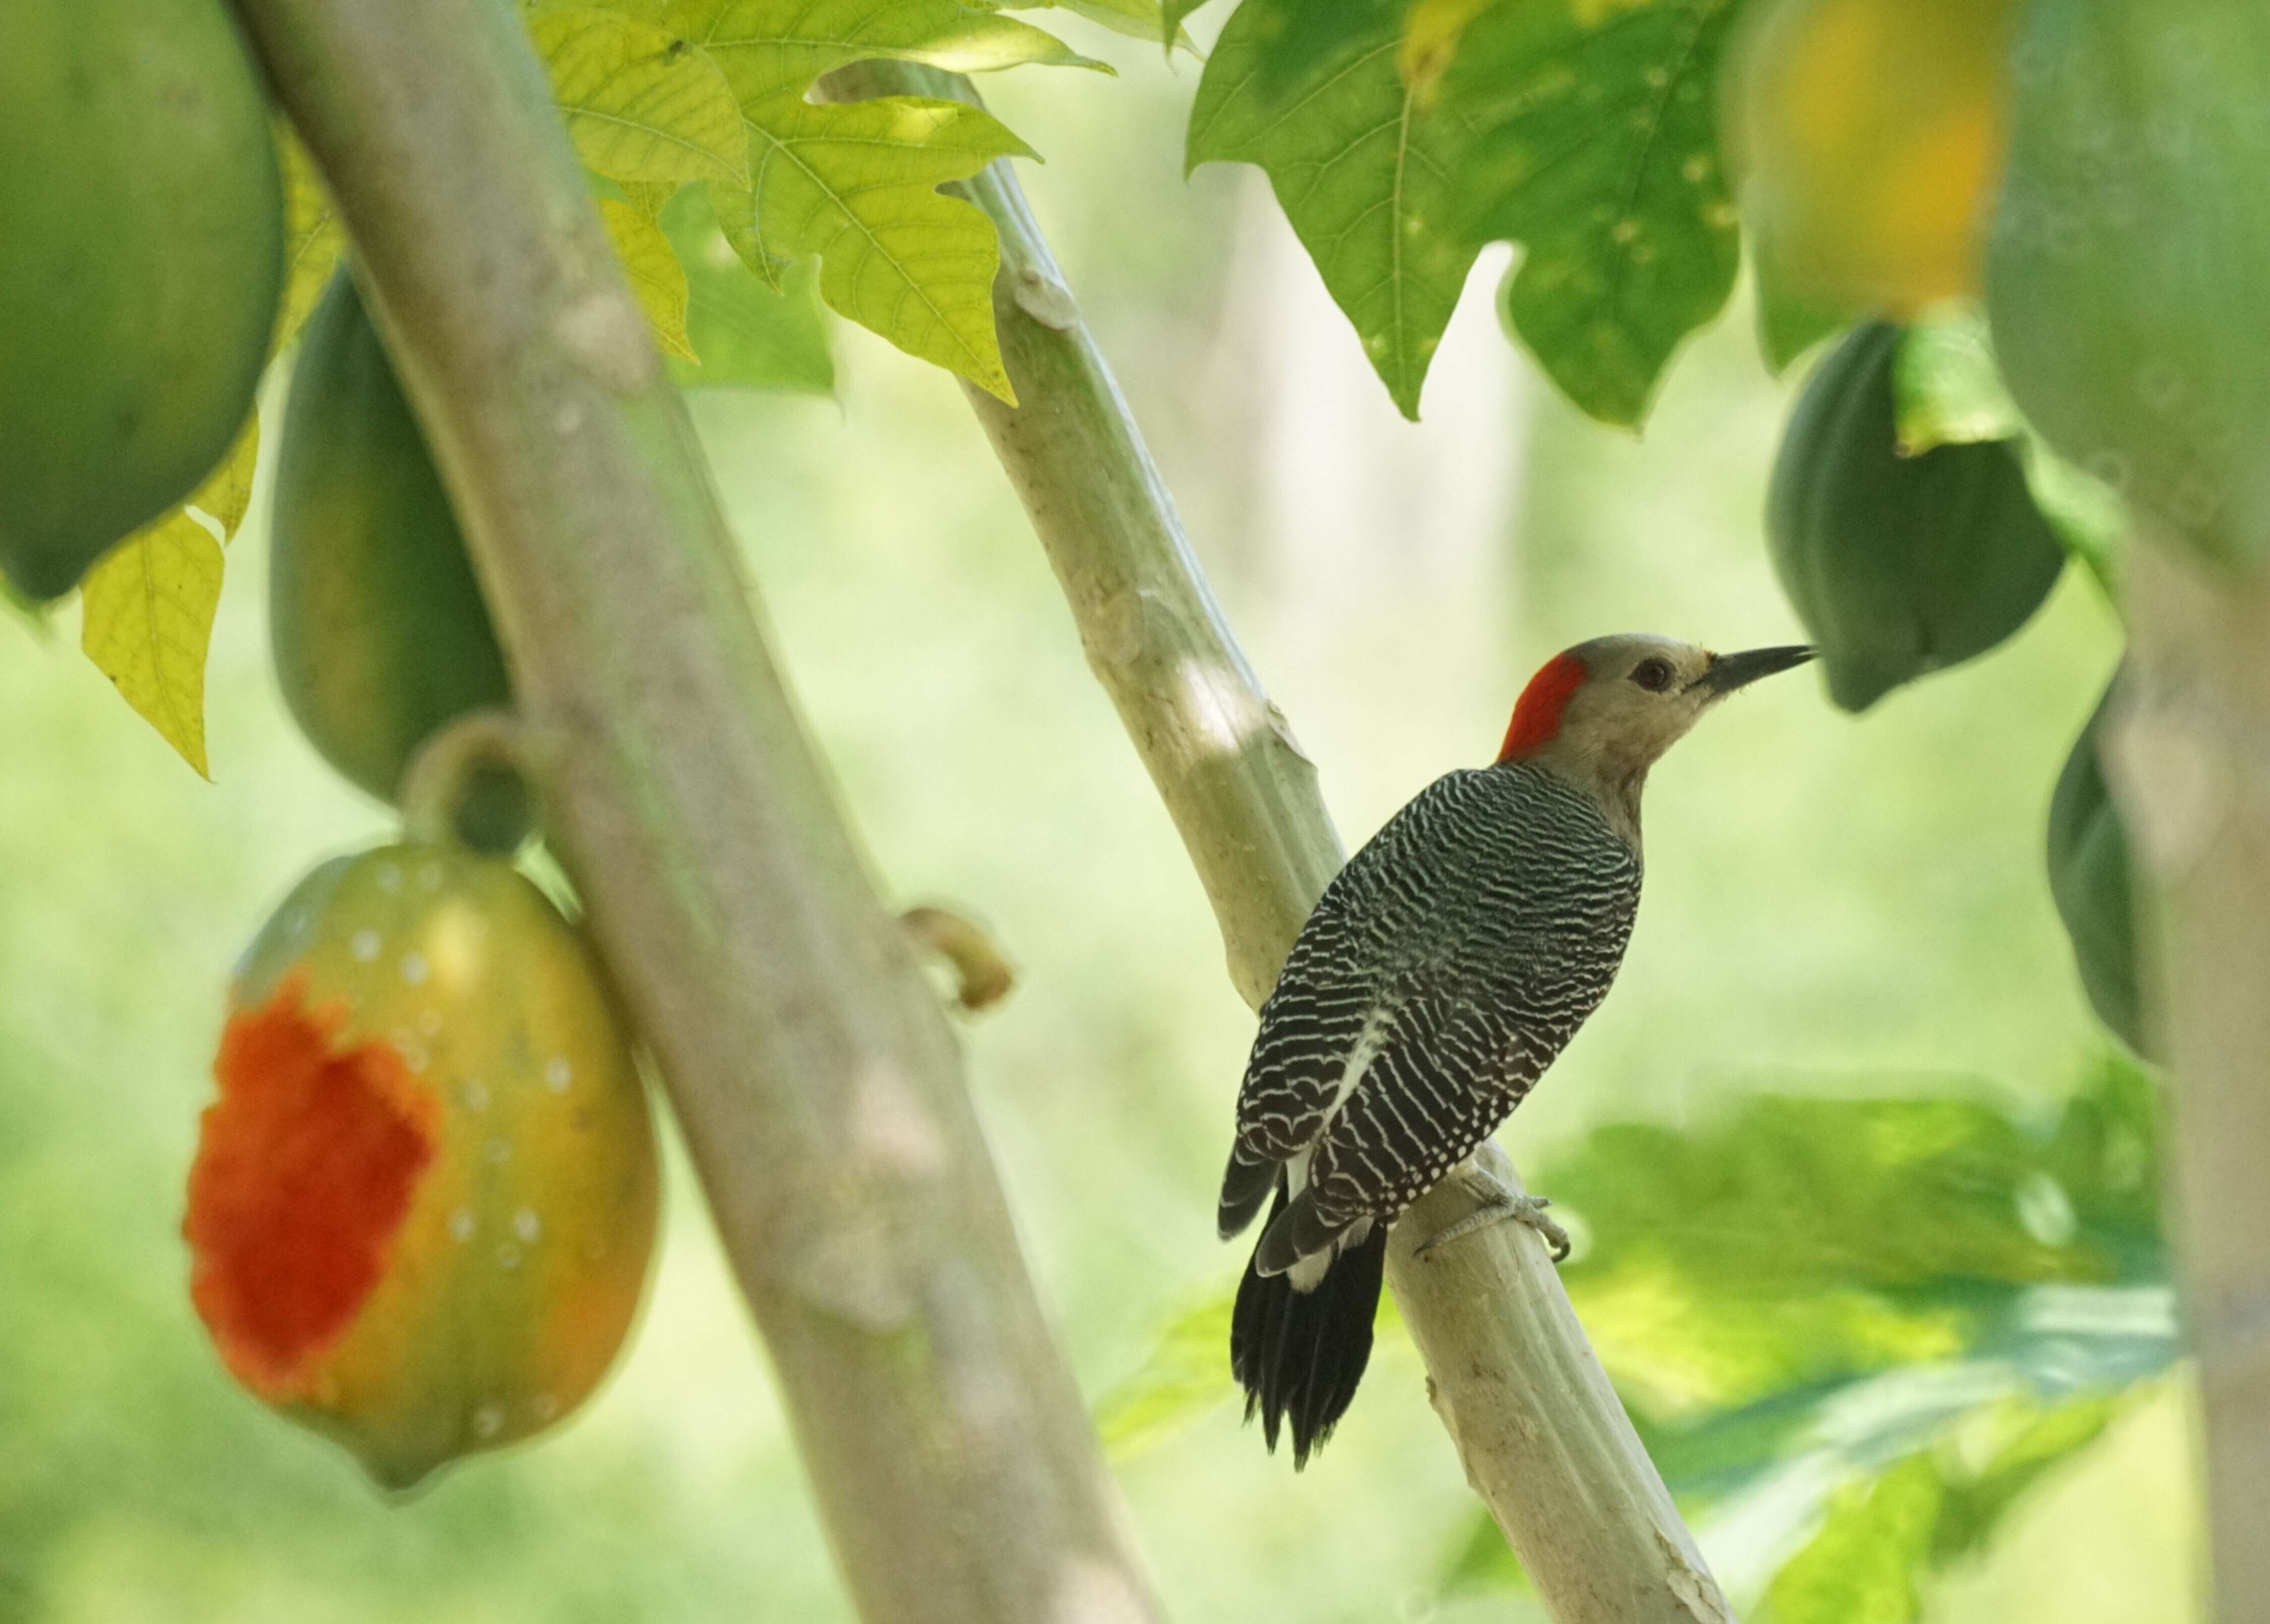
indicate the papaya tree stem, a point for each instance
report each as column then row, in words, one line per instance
column 1544, row 1439
column 2190, row 761
column 809, row 1064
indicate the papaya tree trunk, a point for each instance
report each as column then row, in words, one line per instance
column 808, row 1062
column 1544, row 1439
column 2190, row 759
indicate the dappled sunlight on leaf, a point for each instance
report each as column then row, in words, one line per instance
column 638, row 105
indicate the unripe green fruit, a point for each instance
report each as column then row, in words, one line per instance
column 144, row 257
column 380, row 633
column 1898, row 566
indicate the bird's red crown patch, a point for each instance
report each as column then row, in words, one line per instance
column 1537, row 713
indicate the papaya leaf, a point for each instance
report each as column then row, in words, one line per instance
column 1185, row 1374
column 1789, row 325
column 226, row 496
column 1363, row 174
column 147, row 610
column 746, row 335
column 638, row 105
column 1171, row 13
column 649, row 197
column 857, row 182
column 1594, row 145
column 1863, row 1566
column 1138, row 20
column 1945, row 387
column 313, row 237
column 657, row 278
column 1431, row 32
column 1999, row 1283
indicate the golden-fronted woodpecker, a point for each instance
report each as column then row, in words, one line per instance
column 1441, row 972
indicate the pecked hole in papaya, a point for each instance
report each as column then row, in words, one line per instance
column 307, row 1166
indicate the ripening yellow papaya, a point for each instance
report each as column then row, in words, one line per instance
column 144, row 217
column 424, row 1204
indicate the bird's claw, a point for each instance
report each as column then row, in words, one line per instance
column 1498, row 1202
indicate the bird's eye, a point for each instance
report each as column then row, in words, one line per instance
column 1653, row 675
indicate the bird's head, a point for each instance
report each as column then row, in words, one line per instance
column 1600, row 715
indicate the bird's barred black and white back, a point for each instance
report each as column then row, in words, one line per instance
column 1441, row 972
column 1444, row 968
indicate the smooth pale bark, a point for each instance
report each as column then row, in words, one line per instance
column 1545, row 1441
column 809, row 1066
column 2191, row 759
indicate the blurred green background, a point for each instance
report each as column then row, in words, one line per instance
column 1833, row 907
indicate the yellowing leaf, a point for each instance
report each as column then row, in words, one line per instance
column 656, row 278
column 148, row 613
column 226, row 496
column 1431, row 30
column 640, row 104
column 313, row 236
column 648, row 197
column 857, row 182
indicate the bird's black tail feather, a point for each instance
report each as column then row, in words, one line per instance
column 1300, row 1354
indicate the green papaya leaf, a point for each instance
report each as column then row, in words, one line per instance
column 2093, row 882
column 1362, row 173
column 1171, row 13
column 638, row 105
column 746, row 335
column 2123, row 259
column 1789, row 323
column 1139, row 20
column 857, row 182
column 1945, row 386
column 1594, row 145
column 1898, row 566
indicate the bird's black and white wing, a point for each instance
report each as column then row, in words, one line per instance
column 1441, row 972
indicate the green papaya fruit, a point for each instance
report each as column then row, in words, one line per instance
column 144, row 216
column 1897, row 565
column 377, row 625
column 2093, row 884
column 2124, row 263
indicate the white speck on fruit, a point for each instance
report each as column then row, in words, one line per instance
column 498, row 1149
column 544, row 1406
column 389, row 877
column 527, row 1225
column 508, row 1258
column 557, row 1074
column 413, row 967
column 460, row 1224
column 429, row 1023
column 475, row 1094
column 364, row 945
column 488, row 1420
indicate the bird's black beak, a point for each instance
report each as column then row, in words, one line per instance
column 1729, row 672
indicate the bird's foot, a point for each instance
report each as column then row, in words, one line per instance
column 1499, row 1203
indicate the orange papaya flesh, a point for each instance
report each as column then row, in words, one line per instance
column 423, row 1210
